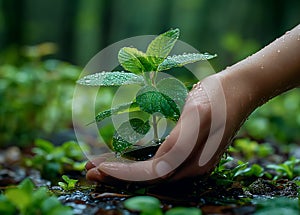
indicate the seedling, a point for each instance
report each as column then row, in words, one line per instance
column 156, row 98
column 69, row 183
column 288, row 169
column 55, row 160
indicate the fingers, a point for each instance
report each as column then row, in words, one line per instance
column 96, row 161
column 173, row 152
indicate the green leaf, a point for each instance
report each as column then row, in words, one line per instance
column 134, row 60
column 183, row 210
column 70, row 183
column 124, row 108
column 152, row 101
column 111, row 79
column 144, row 204
column 254, row 170
column 129, row 133
column 44, row 145
column 174, row 89
column 161, row 46
column 181, row 60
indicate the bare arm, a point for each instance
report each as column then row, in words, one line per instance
column 269, row 72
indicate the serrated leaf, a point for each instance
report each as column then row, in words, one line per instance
column 152, row 101
column 134, row 60
column 161, row 46
column 181, row 60
column 174, row 89
column 129, row 133
column 111, row 79
column 128, row 107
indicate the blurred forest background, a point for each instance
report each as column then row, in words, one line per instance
column 44, row 45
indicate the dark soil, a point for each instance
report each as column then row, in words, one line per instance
column 207, row 193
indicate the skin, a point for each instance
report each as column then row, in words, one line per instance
column 194, row 141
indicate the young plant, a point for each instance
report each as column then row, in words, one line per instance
column 156, row 99
column 69, row 183
column 55, row 160
column 288, row 169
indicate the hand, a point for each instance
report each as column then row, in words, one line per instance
column 193, row 147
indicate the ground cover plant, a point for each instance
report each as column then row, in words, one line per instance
column 156, row 99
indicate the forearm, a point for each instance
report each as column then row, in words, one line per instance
column 269, row 72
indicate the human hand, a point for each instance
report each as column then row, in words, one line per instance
column 193, row 147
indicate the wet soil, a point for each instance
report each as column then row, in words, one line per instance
column 206, row 193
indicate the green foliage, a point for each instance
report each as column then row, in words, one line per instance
column 152, row 101
column 26, row 200
column 277, row 206
column 111, row 79
column 35, row 99
column 181, row 60
column 134, row 60
column 289, row 169
column 224, row 175
column 133, row 130
column 54, row 160
column 251, row 149
column 161, row 46
column 69, row 183
column 278, row 120
column 157, row 98
column 148, row 205
column 254, row 170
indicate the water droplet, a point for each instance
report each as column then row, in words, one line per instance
column 278, row 51
column 298, row 38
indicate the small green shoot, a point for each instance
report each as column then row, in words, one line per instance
column 157, row 98
column 69, row 183
column 289, row 169
column 55, row 160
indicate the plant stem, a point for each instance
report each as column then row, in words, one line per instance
column 152, row 76
column 155, row 133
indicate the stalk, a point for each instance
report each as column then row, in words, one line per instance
column 154, row 124
column 152, row 76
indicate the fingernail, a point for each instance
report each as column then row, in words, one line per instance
column 162, row 168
